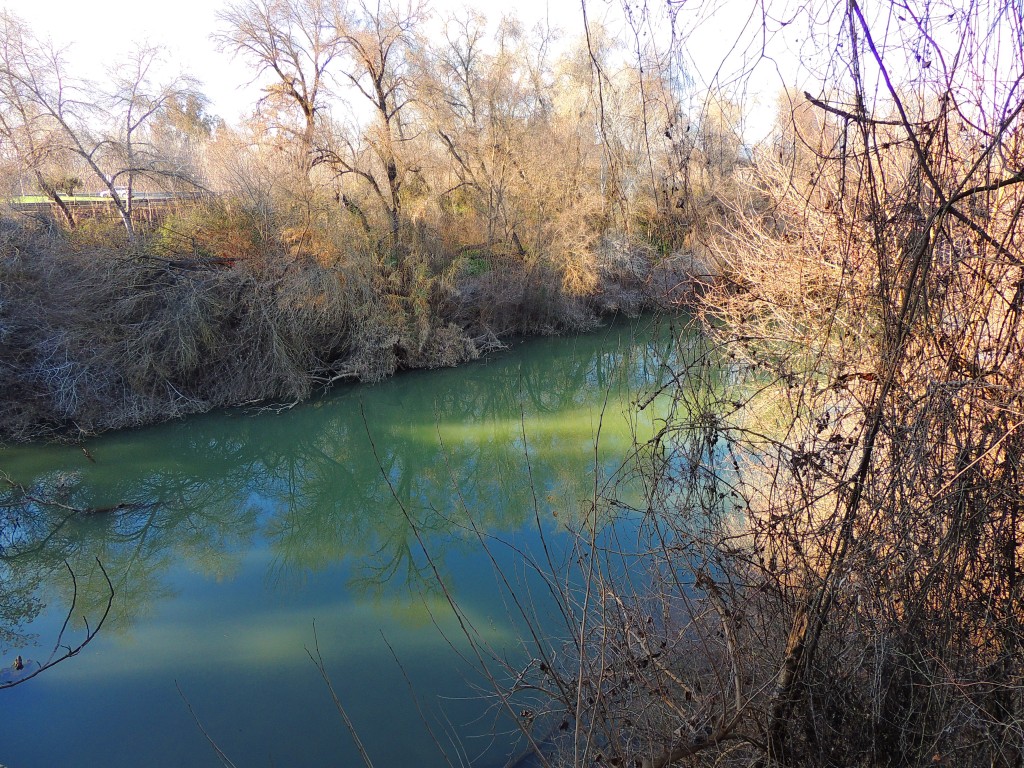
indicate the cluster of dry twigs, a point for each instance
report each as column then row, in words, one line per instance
column 833, row 537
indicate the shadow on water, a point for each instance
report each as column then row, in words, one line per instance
column 226, row 535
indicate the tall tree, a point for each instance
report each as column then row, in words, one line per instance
column 182, row 131
column 295, row 41
column 378, row 42
column 313, row 49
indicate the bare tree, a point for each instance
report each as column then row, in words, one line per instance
column 295, row 41
column 310, row 46
column 464, row 96
column 128, row 149
column 378, row 43
column 48, row 102
column 23, row 126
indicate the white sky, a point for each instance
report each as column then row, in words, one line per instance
column 101, row 32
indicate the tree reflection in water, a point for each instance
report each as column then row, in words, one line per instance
column 304, row 487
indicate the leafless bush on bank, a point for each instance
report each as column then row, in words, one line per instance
column 829, row 564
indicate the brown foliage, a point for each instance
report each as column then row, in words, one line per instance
column 833, row 531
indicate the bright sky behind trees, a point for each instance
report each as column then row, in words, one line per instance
column 99, row 33
column 720, row 49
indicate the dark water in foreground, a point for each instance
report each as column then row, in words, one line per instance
column 233, row 533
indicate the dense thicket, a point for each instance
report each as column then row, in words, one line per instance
column 400, row 198
column 833, row 539
column 93, row 337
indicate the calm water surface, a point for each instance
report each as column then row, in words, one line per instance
column 233, row 534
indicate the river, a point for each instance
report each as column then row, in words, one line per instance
column 238, row 541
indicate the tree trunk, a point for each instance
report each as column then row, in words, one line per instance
column 54, row 196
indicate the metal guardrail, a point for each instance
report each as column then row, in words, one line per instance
column 146, row 207
column 143, row 198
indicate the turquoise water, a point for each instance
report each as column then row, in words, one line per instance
column 365, row 514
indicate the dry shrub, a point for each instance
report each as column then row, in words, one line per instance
column 781, row 266
column 517, row 297
column 102, row 232
column 868, row 601
column 445, row 346
column 833, row 531
column 108, row 340
column 218, row 229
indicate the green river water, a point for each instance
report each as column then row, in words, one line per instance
column 227, row 537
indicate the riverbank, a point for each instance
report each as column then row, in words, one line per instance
column 212, row 308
